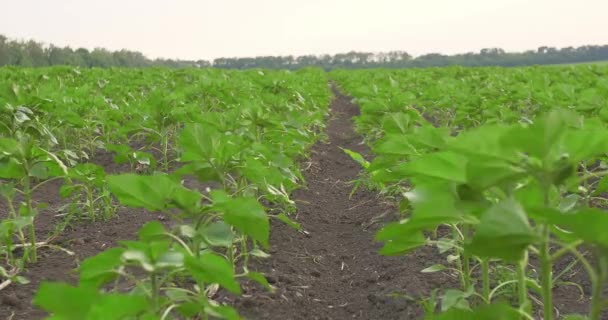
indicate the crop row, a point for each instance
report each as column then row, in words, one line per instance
column 239, row 135
column 502, row 170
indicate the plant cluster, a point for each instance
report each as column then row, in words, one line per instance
column 502, row 170
column 236, row 136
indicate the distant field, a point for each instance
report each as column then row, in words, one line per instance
column 602, row 62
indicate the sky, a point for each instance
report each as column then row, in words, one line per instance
column 203, row 29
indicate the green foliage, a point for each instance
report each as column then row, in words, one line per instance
column 508, row 160
column 241, row 133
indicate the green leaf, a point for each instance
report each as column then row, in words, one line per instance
column 503, row 232
column 396, row 145
column 601, row 186
column 587, row 224
column 118, row 307
column 259, row 253
column 569, row 202
column 64, row 301
column 443, row 165
column 433, row 268
column 285, row 219
column 455, row 299
column 151, row 230
column 11, row 169
column 496, row 311
column 218, row 234
column 101, row 268
column 245, row 214
column 261, row 279
column 210, row 268
column 223, row 312
column 357, row 157
column 150, row 192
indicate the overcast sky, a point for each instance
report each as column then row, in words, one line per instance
column 204, row 29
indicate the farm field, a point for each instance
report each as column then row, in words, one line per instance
column 440, row 193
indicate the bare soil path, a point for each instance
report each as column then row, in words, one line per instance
column 333, row 270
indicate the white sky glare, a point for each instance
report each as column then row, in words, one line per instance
column 203, row 29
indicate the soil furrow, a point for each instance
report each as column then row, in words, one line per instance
column 333, row 270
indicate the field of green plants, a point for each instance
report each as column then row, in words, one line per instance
column 503, row 170
column 240, row 134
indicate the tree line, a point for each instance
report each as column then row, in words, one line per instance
column 35, row 54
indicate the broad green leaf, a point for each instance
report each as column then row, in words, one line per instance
column 495, row 311
column 218, row 234
column 64, row 301
column 118, row 307
column 443, row 165
column 101, row 268
column 503, row 232
column 588, row 224
column 210, row 268
column 455, row 299
column 150, row 192
column 245, row 214
column 395, row 145
column 151, row 230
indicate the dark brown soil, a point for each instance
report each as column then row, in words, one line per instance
column 333, row 270
column 82, row 238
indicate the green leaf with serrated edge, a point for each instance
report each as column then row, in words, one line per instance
column 185, row 199
column 587, row 224
column 11, row 169
column 121, row 306
column 64, row 301
column 150, row 192
column 396, row 145
column 483, row 172
column 442, row 165
column 285, row 219
column 210, row 268
column 455, row 299
column 101, row 268
column 218, row 234
column 503, row 232
column 245, row 214
column 151, row 230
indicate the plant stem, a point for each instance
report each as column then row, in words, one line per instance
column 546, row 269
column 28, row 202
column 522, row 287
column 485, row 270
column 466, row 261
column 165, row 140
column 154, row 293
